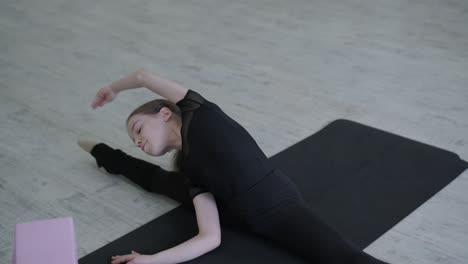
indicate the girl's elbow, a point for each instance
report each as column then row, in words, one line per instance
column 141, row 76
column 217, row 236
column 213, row 240
column 217, row 241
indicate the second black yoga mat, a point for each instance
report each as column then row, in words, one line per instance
column 359, row 179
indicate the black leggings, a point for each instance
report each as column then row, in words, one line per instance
column 291, row 224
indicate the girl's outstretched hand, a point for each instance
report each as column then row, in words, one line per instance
column 103, row 96
column 134, row 258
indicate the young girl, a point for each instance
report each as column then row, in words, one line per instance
column 221, row 170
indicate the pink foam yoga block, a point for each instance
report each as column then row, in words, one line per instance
column 50, row 241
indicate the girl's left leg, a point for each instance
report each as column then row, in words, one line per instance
column 149, row 176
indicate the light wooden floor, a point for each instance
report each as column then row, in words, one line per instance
column 283, row 69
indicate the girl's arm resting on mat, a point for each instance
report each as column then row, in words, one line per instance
column 207, row 239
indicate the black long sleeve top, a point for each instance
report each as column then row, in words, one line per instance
column 220, row 156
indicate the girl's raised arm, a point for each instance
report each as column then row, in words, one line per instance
column 108, row 93
column 168, row 89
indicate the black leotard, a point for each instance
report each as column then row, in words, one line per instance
column 222, row 157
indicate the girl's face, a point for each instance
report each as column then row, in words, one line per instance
column 151, row 132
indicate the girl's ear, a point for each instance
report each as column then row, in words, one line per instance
column 166, row 113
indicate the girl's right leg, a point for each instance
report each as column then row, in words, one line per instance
column 276, row 210
column 149, row 176
column 298, row 229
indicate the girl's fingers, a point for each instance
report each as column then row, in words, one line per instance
column 102, row 97
column 96, row 102
column 119, row 260
column 115, row 259
column 99, row 96
column 122, row 259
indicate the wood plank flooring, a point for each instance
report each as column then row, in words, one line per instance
column 282, row 69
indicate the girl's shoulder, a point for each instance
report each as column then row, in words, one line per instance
column 191, row 101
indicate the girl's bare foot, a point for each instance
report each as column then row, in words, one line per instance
column 87, row 145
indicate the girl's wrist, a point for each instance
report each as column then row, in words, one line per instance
column 113, row 88
column 155, row 259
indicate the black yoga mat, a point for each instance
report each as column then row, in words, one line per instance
column 359, row 179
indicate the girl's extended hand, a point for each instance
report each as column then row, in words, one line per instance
column 103, row 96
column 134, row 258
